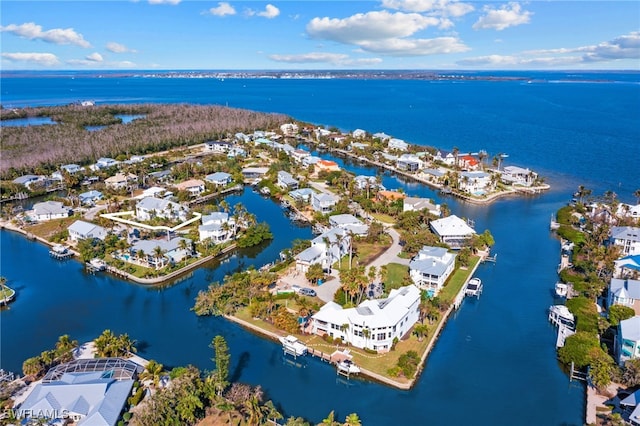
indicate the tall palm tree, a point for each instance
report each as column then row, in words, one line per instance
column 330, row 420
column 153, row 371
column 345, row 328
column 158, row 253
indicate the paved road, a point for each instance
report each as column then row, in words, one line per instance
column 391, row 254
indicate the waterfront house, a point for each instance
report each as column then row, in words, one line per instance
column 151, row 207
column 217, row 227
column 409, row 163
column 397, row 144
column 416, row 204
column 299, row 155
column 90, row 197
column 218, row 147
column 358, row 133
column 624, row 292
column 302, row 195
column 326, row 249
column 627, row 267
column 476, row 183
column 371, row 182
column 431, row 268
column 627, row 238
column 433, row 175
column 445, row 157
column 468, row 162
column 627, row 343
column 323, row 202
column 48, row 210
column 194, row 187
column 358, row 146
column 289, row 129
column 452, row 231
column 134, row 159
column 382, row 136
column 160, row 253
column 71, row 168
column 514, row 175
column 254, row 172
column 106, row 162
column 81, row 230
column 28, row 180
column 88, row 392
column 320, row 132
column 219, row 178
column 310, row 160
column 628, row 210
column 326, row 166
column 154, row 191
column 349, row 223
column 121, row 181
column 286, row 181
column 373, row 324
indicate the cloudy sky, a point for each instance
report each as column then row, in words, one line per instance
column 303, row 34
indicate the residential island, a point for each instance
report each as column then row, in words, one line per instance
column 369, row 293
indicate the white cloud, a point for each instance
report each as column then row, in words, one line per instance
column 509, row 15
column 415, row 47
column 119, row 48
column 172, row 2
column 46, row 59
column 94, row 57
column 339, row 59
column 452, row 8
column 369, row 26
column 32, row 31
column 386, row 33
column 223, row 9
column 623, row 47
column 270, row 12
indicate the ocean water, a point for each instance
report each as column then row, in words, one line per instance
column 494, row 362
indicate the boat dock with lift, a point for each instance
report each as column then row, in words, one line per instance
column 60, row 252
column 342, row 359
column 474, row 288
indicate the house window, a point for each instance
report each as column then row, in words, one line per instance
column 382, row 335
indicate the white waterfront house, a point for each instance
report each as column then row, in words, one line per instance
column 445, row 157
column 106, row 162
column 302, row 194
column 409, row 163
column 254, row 172
column 326, row 249
column 431, row 268
column 289, row 129
column 90, row 197
column 217, row 146
column 626, row 210
column 171, row 251
column 474, row 182
column 452, row 231
column 624, row 292
column 374, row 324
column 397, row 144
column 514, row 175
column 81, row 230
column 287, row 181
column 627, row 267
column 415, row 204
column 359, row 133
column 217, row 227
column 219, row 178
column 323, row 202
column 48, row 210
column 28, row 180
column 628, row 340
column 151, row 207
column 349, row 223
column 627, row 238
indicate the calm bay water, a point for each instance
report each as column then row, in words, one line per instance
column 495, row 361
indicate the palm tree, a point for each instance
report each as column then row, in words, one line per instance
column 158, row 253
column 366, row 333
column 153, row 371
column 420, row 330
column 64, row 348
column 636, row 194
column 339, row 239
column 455, row 151
column 272, row 414
column 330, row 420
column 352, row 420
column 350, row 235
column 344, row 328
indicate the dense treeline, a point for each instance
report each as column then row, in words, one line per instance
column 161, row 127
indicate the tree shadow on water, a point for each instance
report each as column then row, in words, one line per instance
column 242, row 363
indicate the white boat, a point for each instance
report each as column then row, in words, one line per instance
column 474, row 287
column 560, row 314
column 293, row 346
column 347, row 366
column 59, row 249
column 561, row 289
column 98, row 264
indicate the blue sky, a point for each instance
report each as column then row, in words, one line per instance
column 301, row 34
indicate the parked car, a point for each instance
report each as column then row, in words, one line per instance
column 296, row 288
column 307, row 292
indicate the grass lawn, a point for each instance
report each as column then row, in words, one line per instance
column 457, row 280
column 51, row 227
column 369, row 251
column 395, row 275
column 385, row 218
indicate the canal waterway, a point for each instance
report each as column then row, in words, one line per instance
column 494, row 362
